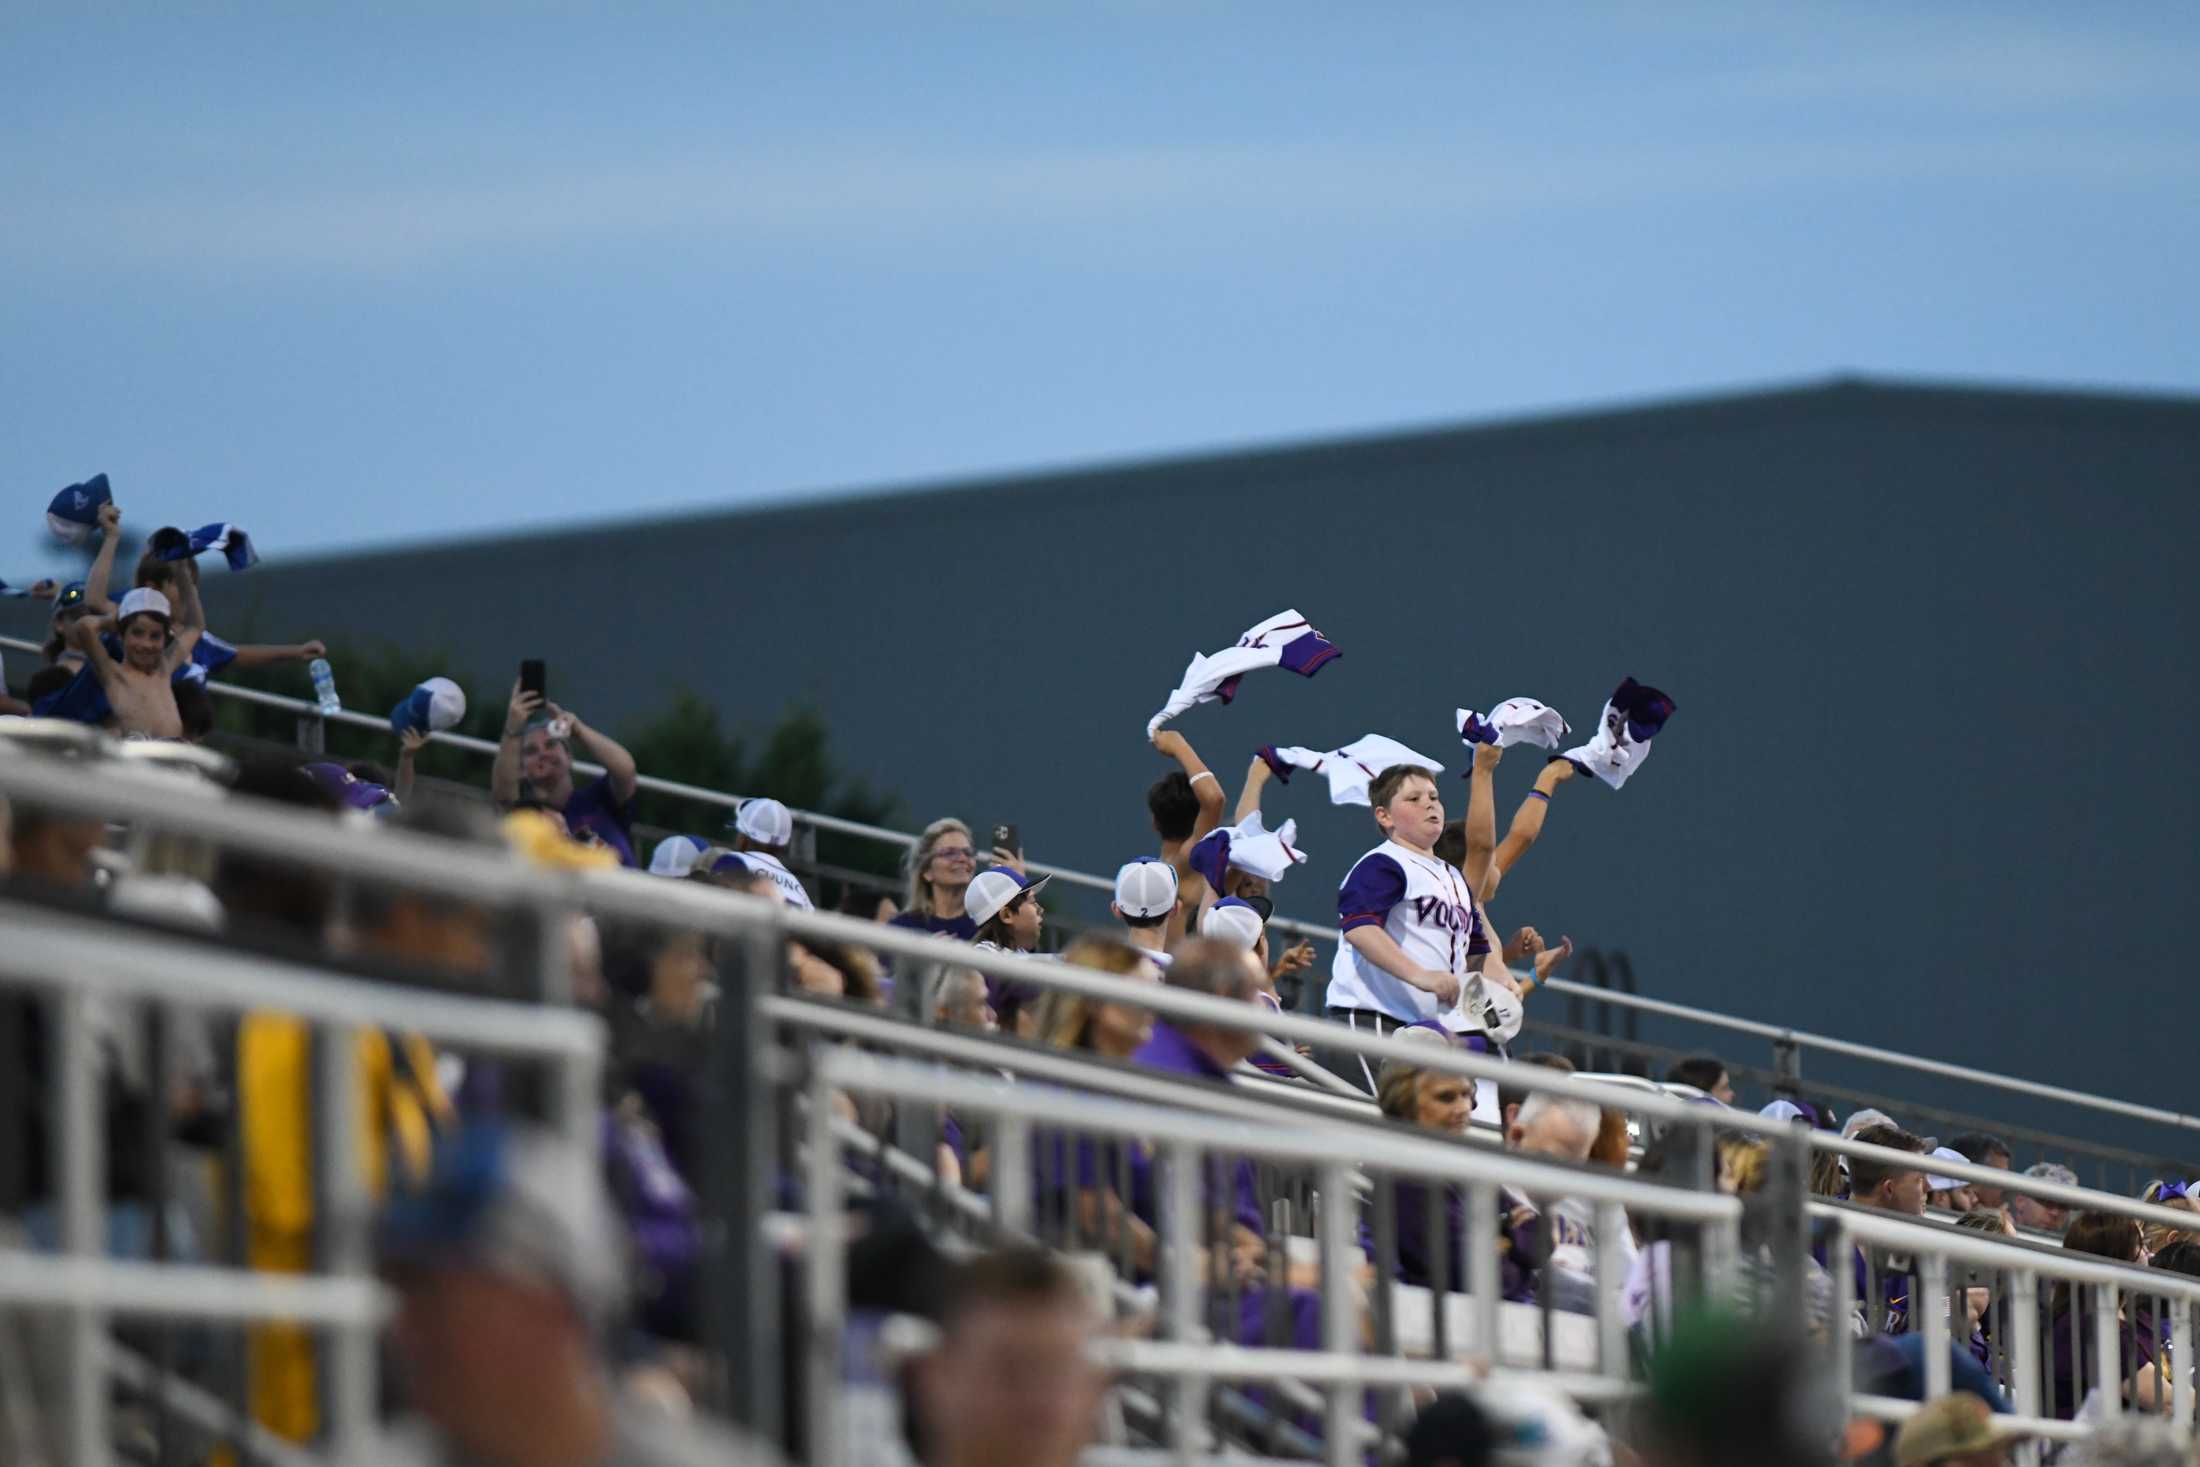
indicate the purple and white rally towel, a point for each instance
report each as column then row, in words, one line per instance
column 1632, row 718
column 1514, row 721
column 234, row 544
column 1285, row 640
column 1249, row 846
column 1351, row 769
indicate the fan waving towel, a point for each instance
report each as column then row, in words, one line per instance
column 1285, row 640
column 1249, row 846
column 234, row 544
column 1351, row 769
column 1514, row 721
column 1631, row 720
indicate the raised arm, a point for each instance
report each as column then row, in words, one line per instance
column 504, row 773
column 1527, row 824
column 190, row 619
column 1481, row 815
column 1205, row 788
column 83, row 634
column 1256, row 780
column 103, row 563
column 409, row 743
column 618, row 764
column 262, row 655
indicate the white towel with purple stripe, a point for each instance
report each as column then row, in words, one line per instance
column 1632, row 718
column 1351, row 769
column 1285, row 640
column 1514, row 721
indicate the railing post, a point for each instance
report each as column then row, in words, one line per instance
column 741, row 1169
column 1611, row 1267
column 312, row 734
column 1340, row 1310
column 2107, row 1344
column 1481, row 1280
column 1927, row 1302
column 346, row 1252
column 825, row 1277
column 1180, row 1252
column 77, row 1144
column 1012, row 1182
column 2180, row 1353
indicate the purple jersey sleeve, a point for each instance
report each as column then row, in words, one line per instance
column 1370, row 890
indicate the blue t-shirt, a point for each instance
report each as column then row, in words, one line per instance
column 599, row 811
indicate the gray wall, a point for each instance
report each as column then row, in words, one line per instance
column 1926, row 784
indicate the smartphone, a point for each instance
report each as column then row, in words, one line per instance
column 1006, row 838
column 531, row 678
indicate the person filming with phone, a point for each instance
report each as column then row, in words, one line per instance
column 534, row 766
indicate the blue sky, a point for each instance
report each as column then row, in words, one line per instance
column 352, row 277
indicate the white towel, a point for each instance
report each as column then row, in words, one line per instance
column 1250, row 847
column 1514, row 721
column 1633, row 715
column 1351, row 769
column 1286, row 640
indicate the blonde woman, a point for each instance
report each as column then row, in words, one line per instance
column 940, row 867
column 1111, row 1030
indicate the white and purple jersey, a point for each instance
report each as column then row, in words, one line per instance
column 1426, row 908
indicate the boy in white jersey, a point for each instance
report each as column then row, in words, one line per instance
column 1413, row 931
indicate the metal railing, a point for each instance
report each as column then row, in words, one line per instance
column 1788, row 1043
column 754, row 934
column 2132, row 1327
column 1187, row 1144
column 73, row 963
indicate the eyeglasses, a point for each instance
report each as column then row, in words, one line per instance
column 952, row 853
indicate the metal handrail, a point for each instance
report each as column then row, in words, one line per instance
column 408, row 860
column 1779, row 1034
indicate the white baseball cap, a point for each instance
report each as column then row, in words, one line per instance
column 994, row 888
column 143, row 600
column 1944, row 1184
column 1143, row 888
column 676, row 855
column 1487, row 1008
column 1864, row 1120
column 1233, row 920
column 766, row 822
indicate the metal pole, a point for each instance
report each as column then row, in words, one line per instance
column 2106, row 1342
column 1011, row 1181
column 1929, row 1299
column 79, row 1150
column 1482, row 1203
column 825, row 1277
column 1340, row 1310
column 341, row 1114
column 1611, row 1268
column 1180, row 1251
column 740, row 1173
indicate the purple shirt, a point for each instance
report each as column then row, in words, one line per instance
column 1169, row 1051
column 601, row 813
column 961, row 928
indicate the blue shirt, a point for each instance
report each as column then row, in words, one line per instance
column 957, row 927
column 601, row 813
column 1169, row 1051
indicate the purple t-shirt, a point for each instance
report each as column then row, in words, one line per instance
column 957, row 927
column 604, row 815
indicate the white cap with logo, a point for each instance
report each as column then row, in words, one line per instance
column 1145, row 888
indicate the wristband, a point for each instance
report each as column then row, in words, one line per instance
column 1539, row 795
column 1203, row 774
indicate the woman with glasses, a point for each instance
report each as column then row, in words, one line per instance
column 940, row 868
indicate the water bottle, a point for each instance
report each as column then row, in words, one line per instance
column 324, row 687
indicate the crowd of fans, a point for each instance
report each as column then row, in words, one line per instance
column 529, row 1333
